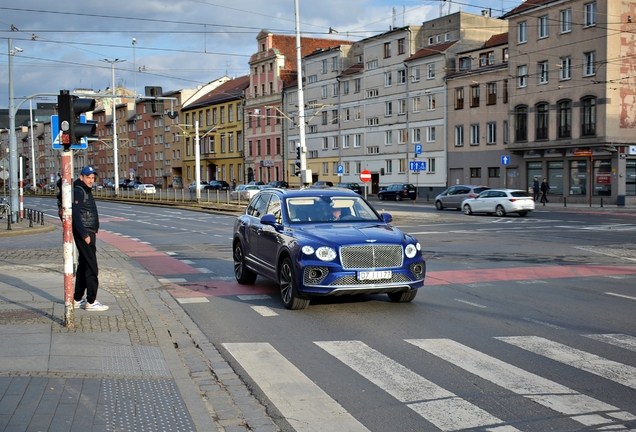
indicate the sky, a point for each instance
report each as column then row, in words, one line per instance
column 179, row 44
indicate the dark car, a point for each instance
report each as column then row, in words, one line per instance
column 217, row 185
column 353, row 186
column 324, row 242
column 398, row 192
column 132, row 184
column 279, row 184
column 455, row 195
column 321, row 185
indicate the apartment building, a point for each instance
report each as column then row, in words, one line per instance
column 572, row 99
column 219, row 114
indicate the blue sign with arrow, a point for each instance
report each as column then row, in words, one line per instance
column 505, row 160
column 55, row 134
column 417, row 166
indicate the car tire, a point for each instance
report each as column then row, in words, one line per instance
column 439, row 205
column 467, row 209
column 522, row 214
column 381, row 197
column 398, row 197
column 243, row 275
column 500, row 211
column 292, row 299
column 403, row 297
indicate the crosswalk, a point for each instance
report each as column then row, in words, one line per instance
column 308, row 408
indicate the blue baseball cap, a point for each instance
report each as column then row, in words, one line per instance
column 86, row 171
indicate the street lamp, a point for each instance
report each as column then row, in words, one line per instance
column 134, row 44
column 115, row 153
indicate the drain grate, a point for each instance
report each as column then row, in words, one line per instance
column 26, row 316
column 144, row 405
column 135, row 361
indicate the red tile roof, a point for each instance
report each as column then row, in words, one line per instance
column 431, row 50
column 498, row 39
column 352, row 70
column 528, row 4
column 229, row 90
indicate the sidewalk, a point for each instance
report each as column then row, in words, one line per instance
column 141, row 365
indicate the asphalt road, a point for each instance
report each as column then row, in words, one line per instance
column 524, row 323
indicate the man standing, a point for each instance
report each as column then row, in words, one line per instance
column 85, row 228
column 536, row 188
column 545, row 188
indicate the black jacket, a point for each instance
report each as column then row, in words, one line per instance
column 85, row 216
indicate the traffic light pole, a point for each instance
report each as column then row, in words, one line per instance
column 305, row 174
column 67, row 228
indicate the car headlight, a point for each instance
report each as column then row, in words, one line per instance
column 325, row 253
column 307, row 250
column 410, row 250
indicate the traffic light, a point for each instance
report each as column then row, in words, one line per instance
column 297, row 171
column 70, row 110
column 156, row 105
column 26, row 163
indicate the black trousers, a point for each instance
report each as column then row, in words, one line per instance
column 86, row 276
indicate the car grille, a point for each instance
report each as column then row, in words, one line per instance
column 352, row 280
column 371, row 256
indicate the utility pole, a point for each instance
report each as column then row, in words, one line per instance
column 305, row 174
column 115, row 149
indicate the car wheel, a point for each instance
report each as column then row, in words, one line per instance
column 243, row 275
column 381, row 197
column 467, row 210
column 499, row 211
column 288, row 290
column 398, row 197
column 523, row 214
column 402, row 297
column 439, row 205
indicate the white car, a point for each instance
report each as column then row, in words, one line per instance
column 145, row 189
column 245, row 192
column 193, row 186
column 500, row 202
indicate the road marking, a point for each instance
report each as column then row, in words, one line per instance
column 185, row 300
column 608, row 369
column 470, row 303
column 621, row 295
column 204, row 270
column 301, row 402
column 583, row 409
column 554, row 326
column 434, row 403
column 264, row 311
column 187, row 261
column 172, row 280
column 254, row 297
column 619, row 340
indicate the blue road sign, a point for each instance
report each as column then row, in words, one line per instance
column 340, row 169
column 505, row 160
column 417, row 166
column 55, row 134
column 418, row 149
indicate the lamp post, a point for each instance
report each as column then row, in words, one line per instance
column 134, row 44
column 13, row 144
column 115, row 152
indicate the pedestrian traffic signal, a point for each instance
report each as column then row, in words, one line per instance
column 72, row 118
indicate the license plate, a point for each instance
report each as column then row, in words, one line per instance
column 374, row 275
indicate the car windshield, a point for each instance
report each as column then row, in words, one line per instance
column 330, row 209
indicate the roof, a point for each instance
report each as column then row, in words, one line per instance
column 431, row 50
column 352, row 70
column 229, row 90
column 527, row 5
column 498, row 39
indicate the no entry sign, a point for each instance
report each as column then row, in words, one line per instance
column 365, row 176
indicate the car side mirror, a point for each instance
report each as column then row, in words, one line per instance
column 270, row 219
column 386, row 217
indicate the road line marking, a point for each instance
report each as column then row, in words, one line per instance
column 581, row 408
column 434, row 403
column 204, row 270
column 470, row 303
column 185, row 300
column 171, row 280
column 300, row 401
column 554, row 326
column 264, row 311
column 187, row 261
column 621, row 295
column 254, row 297
column 619, row 340
column 608, row 369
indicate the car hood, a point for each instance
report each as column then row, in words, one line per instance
column 344, row 234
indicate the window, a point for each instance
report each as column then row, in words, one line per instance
column 345, row 141
column 312, row 129
column 430, row 134
column 335, row 89
column 494, row 172
column 402, row 136
column 459, row 98
column 324, row 66
column 346, row 114
column 373, row 64
column 325, row 168
column 431, row 40
column 543, row 72
column 388, row 108
column 588, row 63
column 522, row 76
column 312, row 79
column 474, row 134
column 566, row 63
column 459, row 136
column 590, row 14
column 521, row 123
column 430, row 71
column 475, row 172
column 564, row 119
column 464, row 63
column 334, row 64
column 430, row 168
column 505, row 131
column 415, row 74
column 416, row 104
column 387, row 49
column 345, row 87
column 373, row 121
column 372, row 93
column 388, row 79
column 505, row 91
column 325, row 92
column 542, row 117
column 324, row 118
column 491, row 88
column 474, row 96
column 401, row 43
column 588, row 117
column 388, row 166
column 431, row 103
column 373, row 150
column 401, row 76
column 542, row 25
column 356, row 85
column 357, row 114
column 416, row 135
column 388, row 137
column 565, row 21
column 491, row 133
column 487, row 58
column 522, row 32
column 357, row 140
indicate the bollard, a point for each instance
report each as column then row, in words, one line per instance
column 565, row 201
column 42, row 218
column 30, row 216
column 601, row 201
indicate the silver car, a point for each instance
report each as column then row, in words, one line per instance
column 454, row 195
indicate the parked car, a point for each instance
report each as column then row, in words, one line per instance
column 217, row 185
column 500, row 202
column 256, row 183
column 279, row 184
column 193, row 185
column 28, row 188
column 353, row 186
column 398, row 192
column 145, row 189
column 132, row 184
column 455, row 195
column 245, row 192
column 321, row 185
column 293, row 238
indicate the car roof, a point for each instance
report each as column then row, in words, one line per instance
column 308, row 192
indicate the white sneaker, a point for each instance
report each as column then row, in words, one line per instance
column 96, row 307
column 79, row 304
